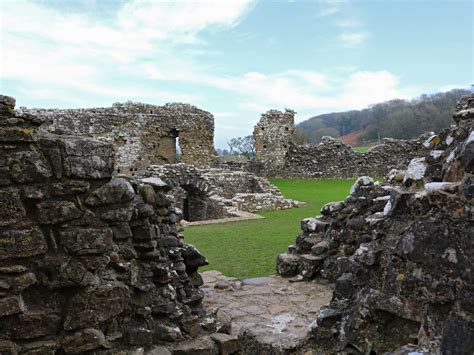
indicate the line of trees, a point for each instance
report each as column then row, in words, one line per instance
column 397, row 118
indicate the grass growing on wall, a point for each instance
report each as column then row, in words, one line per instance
column 249, row 248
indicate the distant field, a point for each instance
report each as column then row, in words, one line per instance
column 249, row 248
column 364, row 148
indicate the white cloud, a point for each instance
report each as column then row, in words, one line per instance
column 353, row 39
column 348, row 23
column 328, row 11
column 44, row 47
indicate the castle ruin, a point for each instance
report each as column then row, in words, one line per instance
column 142, row 134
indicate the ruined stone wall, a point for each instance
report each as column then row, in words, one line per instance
column 222, row 192
column 401, row 254
column 277, row 156
column 273, row 134
column 334, row 159
column 142, row 134
column 87, row 261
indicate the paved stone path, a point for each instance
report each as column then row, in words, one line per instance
column 239, row 217
column 272, row 309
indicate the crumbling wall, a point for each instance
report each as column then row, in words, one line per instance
column 273, row 134
column 334, row 159
column 277, row 156
column 87, row 261
column 400, row 253
column 142, row 134
column 222, row 192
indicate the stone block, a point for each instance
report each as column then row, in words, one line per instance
column 87, row 158
column 11, row 208
column 122, row 231
column 22, row 243
column 162, row 332
column 33, row 325
column 8, row 348
column 227, row 344
column 114, row 192
column 18, row 134
column 47, row 347
column 96, row 304
column 201, row 346
column 87, row 241
column 84, row 340
column 140, row 337
column 29, row 166
column 11, row 305
column 54, row 212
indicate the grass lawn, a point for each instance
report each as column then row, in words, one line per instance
column 363, row 149
column 249, row 248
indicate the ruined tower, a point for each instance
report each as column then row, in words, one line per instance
column 273, row 135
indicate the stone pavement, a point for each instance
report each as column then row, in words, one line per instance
column 271, row 310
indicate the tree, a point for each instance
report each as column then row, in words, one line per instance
column 243, row 146
column 299, row 136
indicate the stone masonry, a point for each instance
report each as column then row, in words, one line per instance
column 88, row 262
column 401, row 255
column 208, row 194
column 273, row 134
column 142, row 134
column 277, row 156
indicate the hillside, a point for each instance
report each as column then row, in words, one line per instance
column 396, row 118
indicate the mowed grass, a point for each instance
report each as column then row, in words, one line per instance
column 363, row 149
column 249, row 248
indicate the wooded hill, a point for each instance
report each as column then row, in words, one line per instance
column 397, row 118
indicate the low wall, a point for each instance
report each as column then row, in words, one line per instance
column 334, row 159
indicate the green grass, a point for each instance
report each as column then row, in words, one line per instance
column 249, row 248
column 363, row 149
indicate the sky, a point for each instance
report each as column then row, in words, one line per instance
column 233, row 58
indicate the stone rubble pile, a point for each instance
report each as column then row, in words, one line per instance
column 88, row 262
column 222, row 192
column 401, row 254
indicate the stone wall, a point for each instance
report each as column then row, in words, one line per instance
column 219, row 192
column 87, row 261
column 142, row 134
column 400, row 253
column 277, row 156
column 273, row 134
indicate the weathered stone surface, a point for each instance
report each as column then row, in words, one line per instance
column 208, row 194
column 115, row 191
column 401, row 256
column 40, row 348
column 74, row 278
column 28, row 166
column 22, row 243
column 142, row 135
column 86, row 241
column 54, row 212
column 95, row 305
column 8, row 347
column 84, row 340
column 11, row 305
column 32, row 325
column 11, row 208
column 88, row 159
column 202, row 346
column 227, row 344
column 277, row 156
